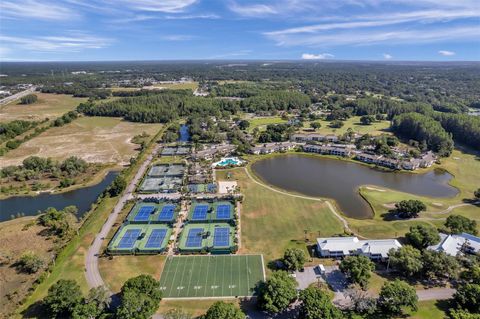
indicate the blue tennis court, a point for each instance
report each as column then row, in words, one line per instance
column 221, row 237
column 200, row 212
column 156, row 238
column 194, row 238
column 223, row 211
column 144, row 213
column 129, row 238
column 167, row 213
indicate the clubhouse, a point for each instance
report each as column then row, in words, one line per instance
column 460, row 243
column 339, row 247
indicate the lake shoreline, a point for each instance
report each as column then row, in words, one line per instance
column 441, row 179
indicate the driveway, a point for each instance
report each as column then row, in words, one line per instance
column 307, row 277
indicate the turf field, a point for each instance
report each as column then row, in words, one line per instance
column 211, row 276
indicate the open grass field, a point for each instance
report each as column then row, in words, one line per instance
column 464, row 166
column 272, row 222
column 376, row 128
column 211, row 276
column 262, row 122
column 95, row 139
column 48, row 106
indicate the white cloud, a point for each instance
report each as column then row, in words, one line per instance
column 254, row 10
column 177, row 37
column 35, row 9
column 446, row 53
column 167, row 6
column 369, row 37
column 231, row 54
column 321, row 56
column 387, row 56
column 192, row 16
column 74, row 42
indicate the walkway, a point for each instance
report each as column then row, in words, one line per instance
column 92, row 274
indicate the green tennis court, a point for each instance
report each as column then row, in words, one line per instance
column 211, row 276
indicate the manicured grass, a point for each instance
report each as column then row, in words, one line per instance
column 262, row 122
column 198, row 307
column 432, row 309
column 118, row 269
column 466, row 170
column 375, row 128
column 48, row 106
column 211, row 276
column 272, row 222
column 95, row 139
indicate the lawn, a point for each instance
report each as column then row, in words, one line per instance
column 464, row 166
column 48, row 106
column 211, row 276
column 262, row 122
column 95, row 139
column 272, row 222
column 376, row 128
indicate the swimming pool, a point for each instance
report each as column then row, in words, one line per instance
column 229, row 161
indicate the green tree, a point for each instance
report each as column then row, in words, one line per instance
column 367, row 119
column 277, row 293
column 316, row 304
column 117, row 186
column 294, row 258
column 336, row 124
column 437, row 265
column 395, row 295
column 406, row 259
column 460, row 224
column 136, row 306
column 30, row 263
column 140, row 296
column 477, row 193
column 224, row 310
column 358, row 269
column 315, row 125
column 468, row 297
column 471, row 274
column 244, row 124
column 62, row 298
column 410, row 208
column 421, row 236
column 462, row 314
column 29, row 99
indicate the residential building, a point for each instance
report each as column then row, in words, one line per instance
column 269, row 148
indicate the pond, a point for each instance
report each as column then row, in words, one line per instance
column 83, row 198
column 184, row 134
column 339, row 180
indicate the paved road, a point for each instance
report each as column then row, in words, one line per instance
column 92, row 274
column 18, row 95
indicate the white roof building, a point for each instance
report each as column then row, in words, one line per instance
column 346, row 246
column 452, row 244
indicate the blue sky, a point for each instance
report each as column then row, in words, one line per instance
column 46, row 30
